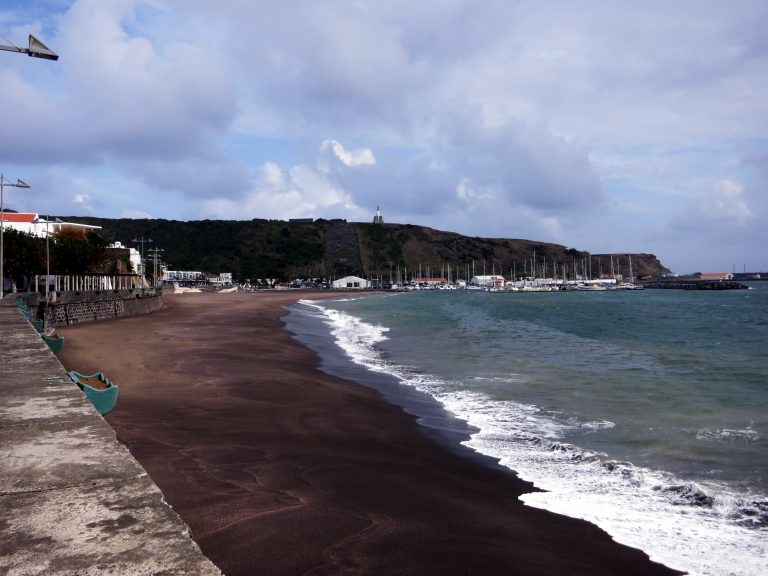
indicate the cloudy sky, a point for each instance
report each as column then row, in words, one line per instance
column 604, row 126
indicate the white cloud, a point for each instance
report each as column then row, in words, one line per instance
column 301, row 192
column 726, row 201
column 598, row 125
column 465, row 191
column 359, row 157
column 84, row 201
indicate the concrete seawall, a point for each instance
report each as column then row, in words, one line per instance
column 73, row 501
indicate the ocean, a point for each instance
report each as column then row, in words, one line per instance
column 644, row 412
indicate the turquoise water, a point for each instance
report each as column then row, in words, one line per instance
column 645, row 412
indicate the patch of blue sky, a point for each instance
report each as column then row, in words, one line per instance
column 398, row 157
column 255, row 151
column 148, row 20
column 676, row 162
column 26, row 10
column 22, row 13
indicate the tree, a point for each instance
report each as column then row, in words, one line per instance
column 77, row 251
column 24, row 255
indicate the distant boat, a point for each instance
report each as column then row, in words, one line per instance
column 631, row 284
column 98, row 389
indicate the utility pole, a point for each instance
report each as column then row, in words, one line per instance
column 155, row 255
column 141, row 253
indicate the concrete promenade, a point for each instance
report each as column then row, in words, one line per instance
column 73, row 501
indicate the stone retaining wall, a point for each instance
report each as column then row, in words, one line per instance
column 76, row 308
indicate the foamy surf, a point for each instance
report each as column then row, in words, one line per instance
column 705, row 529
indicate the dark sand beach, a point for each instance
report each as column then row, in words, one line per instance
column 280, row 469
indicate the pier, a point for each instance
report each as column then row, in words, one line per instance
column 695, row 285
column 73, row 498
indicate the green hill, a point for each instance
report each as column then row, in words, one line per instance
column 252, row 249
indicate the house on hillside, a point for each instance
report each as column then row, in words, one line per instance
column 32, row 223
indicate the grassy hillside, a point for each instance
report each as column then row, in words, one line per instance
column 331, row 248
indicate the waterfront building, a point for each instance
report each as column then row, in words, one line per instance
column 224, row 278
column 488, row 281
column 183, row 276
column 429, row 282
column 351, row 282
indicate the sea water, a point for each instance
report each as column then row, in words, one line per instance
column 644, row 412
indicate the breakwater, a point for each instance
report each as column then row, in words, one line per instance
column 696, row 285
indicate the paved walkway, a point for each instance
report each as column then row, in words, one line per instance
column 73, row 501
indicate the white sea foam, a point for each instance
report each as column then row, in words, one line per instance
column 705, row 530
column 745, row 435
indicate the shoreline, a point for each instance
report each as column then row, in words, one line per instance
column 280, row 468
column 434, row 421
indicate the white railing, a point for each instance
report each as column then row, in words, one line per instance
column 74, row 282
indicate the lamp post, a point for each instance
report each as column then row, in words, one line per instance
column 3, row 184
column 36, row 48
column 47, row 270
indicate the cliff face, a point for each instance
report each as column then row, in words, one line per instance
column 332, row 248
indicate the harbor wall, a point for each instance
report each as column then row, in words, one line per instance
column 695, row 285
column 70, row 308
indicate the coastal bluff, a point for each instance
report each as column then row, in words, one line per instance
column 73, row 499
column 258, row 249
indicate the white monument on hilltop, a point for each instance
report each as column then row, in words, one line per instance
column 378, row 218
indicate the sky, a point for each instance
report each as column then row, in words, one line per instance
column 606, row 126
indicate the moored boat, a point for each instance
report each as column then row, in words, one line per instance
column 98, row 389
column 54, row 341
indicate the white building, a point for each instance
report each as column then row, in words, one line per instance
column 429, row 282
column 32, row 223
column 133, row 255
column 351, row 282
column 222, row 278
column 182, row 276
column 490, row 281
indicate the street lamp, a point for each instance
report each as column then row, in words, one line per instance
column 3, row 184
column 36, row 48
column 47, row 268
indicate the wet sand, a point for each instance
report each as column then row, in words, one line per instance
column 280, row 469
